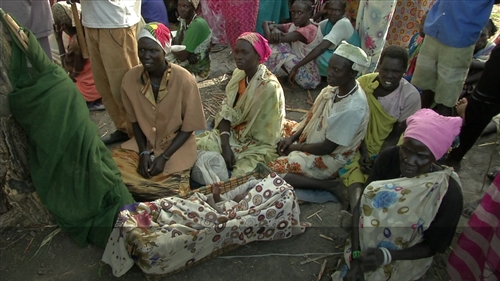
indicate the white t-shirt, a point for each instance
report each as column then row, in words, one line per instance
column 348, row 119
column 110, row 13
column 342, row 30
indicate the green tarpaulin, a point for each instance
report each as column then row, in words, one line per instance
column 72, row 170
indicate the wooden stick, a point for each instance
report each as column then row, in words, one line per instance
column 487, row 143
column 3, row 249
column 323, row 267
column 326, row 237
column 29, row 244
column 314, row 214
column 439, row 275
column 319, row 217
column 79, row 31
column 280, row 255
column 310, row 99
column 17, row 30
column 297, row 110
column 314, row 259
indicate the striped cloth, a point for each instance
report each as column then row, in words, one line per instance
column 477, row 254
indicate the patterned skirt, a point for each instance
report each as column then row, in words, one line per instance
column 307, row 76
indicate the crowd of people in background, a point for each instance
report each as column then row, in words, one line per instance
column 377, row 135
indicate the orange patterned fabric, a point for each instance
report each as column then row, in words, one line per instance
column 351, row 10
column 406, row 20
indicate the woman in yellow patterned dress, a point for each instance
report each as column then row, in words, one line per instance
column 251, row 119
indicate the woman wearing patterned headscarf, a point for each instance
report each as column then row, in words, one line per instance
column 251, row 119
column 195, row 34
column 79, row 69
column 410, row 208
column 163, row 103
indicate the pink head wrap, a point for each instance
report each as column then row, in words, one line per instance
column 259, row 43
column 437, row 132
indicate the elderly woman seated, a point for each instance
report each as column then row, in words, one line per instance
column 163, row 104
column 332, row 130
column 251, row 119
column 410, row 206
column 72, row 60
column 292, row 42
column 195, row 34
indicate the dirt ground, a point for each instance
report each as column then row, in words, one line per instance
column 62, row 259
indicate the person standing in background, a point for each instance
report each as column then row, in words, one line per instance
column 372, row 23
column 240, row 16
column 72, row 58
column 154, row 11
column 406, row 21
column 211, row 13
column 110, row 29
column 36, row 15
column 451, row 32
column 482, row 105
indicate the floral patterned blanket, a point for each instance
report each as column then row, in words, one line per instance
column 170, row 233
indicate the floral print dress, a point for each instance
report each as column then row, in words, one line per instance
column 288, row 55
column 372, row 24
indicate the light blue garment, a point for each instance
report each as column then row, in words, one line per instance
column 315, row 196
column 323, row 59
column 457, row 23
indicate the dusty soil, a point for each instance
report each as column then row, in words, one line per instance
column 62, row 259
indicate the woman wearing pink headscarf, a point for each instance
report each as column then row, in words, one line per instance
column 251, row 118
column 410, row 207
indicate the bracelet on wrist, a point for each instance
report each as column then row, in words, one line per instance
column 225, row 133
column 387, row 256
column 165, row 157
column 355, row 254
column 145, row 152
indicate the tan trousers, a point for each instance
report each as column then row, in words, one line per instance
column 112, row 53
